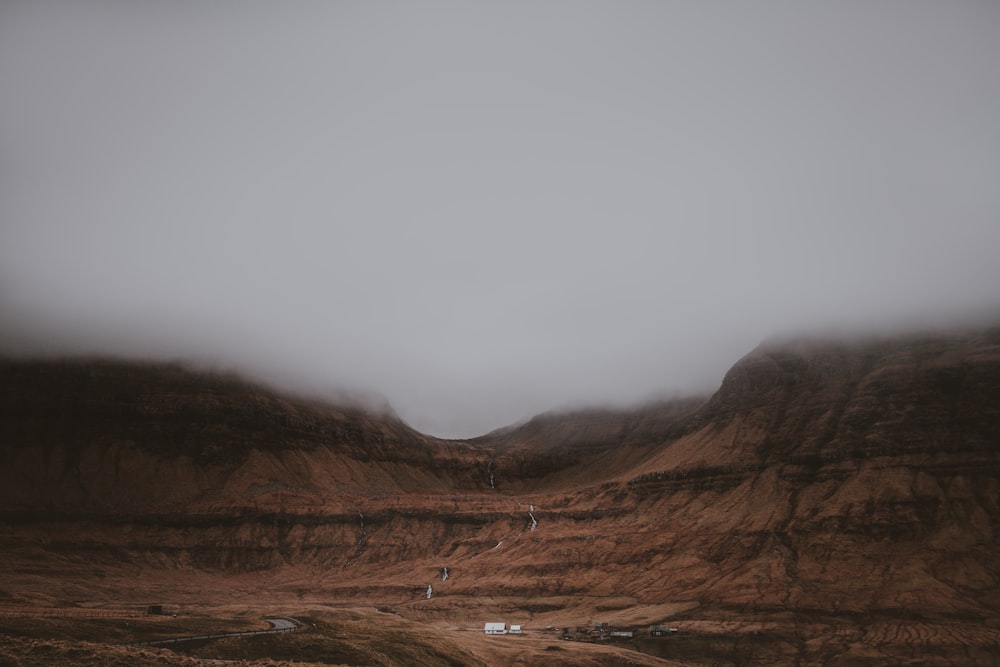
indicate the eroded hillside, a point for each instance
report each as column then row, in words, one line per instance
column 113, row 436
column 840, row 498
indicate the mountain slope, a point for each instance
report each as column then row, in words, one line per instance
column 110, row 435
column 842, row 496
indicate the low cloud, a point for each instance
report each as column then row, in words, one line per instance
column 480, row 214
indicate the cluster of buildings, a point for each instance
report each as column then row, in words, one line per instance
column 502, row 629
column 598, row 631
column 601, row 631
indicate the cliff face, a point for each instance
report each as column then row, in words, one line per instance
column 828, row 476
column 825, row 480
column 113, row 436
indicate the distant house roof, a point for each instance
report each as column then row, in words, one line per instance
column 661, row 629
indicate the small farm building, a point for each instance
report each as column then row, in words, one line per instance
column 495, row 629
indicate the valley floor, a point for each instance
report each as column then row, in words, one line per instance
column 448, row 631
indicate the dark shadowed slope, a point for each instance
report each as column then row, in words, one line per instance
column 114, row 435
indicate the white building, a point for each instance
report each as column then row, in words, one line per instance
column 495, row 629
column 515, row 629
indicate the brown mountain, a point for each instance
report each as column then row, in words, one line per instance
column 832, row 501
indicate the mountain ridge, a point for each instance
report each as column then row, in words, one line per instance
column 826, row 484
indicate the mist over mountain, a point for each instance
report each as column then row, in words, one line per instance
column 484, row 214
column 392, row 320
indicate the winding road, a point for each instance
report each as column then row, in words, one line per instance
column 278, row 624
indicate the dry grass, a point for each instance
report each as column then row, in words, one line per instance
column 328, row 636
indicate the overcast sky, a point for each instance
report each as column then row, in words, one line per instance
column 482, row 211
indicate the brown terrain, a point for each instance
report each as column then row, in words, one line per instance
column 831, row 503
